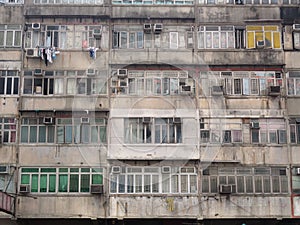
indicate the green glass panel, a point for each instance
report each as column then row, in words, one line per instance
column 63, row 183
column 52, row 183
column 25, row 178
column 34, row 183
column 103, row 134
column 48, row 170
column 42, row 134
column 96, row 179
column 63, row 169
column 97, row 170
column 30, row 170
column 74, row 183
column 85, row 183
column 85, row 170
column 43, row 183
column 74, row 170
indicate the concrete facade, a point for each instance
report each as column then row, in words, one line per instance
column 159, row 112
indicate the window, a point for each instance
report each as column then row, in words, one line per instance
column 263, row 37
column 293, row 83
column 295, row 130
column 154, row 180
column 246, row 180
column 62, row 36
column 8, row 130
column 14, row 1
column 71, row 2
column 54, row 83
column 124, row 39
column 220, row 131
column 6, row 184
column 210, row 37
column 10, row 36
column 296, row 37
column 153, row 83
column 269, row 131
column 154, row 2
column 9, row 82
column 65, row 130
column 158, row 130
column 240, row 82
column 61, row 180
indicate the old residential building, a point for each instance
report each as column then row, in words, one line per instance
column 153, row 112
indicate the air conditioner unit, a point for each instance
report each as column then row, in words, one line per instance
column 217, row 90
column 158, row 28
column 186, row 89
column 254, row 125
column 24, row 188
column 32, row 52
column 116, row 169
column 48, row 120
column 274, row 90
column 38, row 72
column 97, row 33
column 176, row 120
column 147, row 28
column 226, row 189
column 38, row 90
column 166, row 169
column 122, row 73
column 296, row 27
column 85, row 120
column 97, row 189
column 36, row 26
column 4, row 169
column 238, row 2
column 90, row 72
column 260, row 44
column 298, row 171
column 146, row 119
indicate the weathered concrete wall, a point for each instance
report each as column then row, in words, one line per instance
column 64, row 103
column 63, row 155
column 11, row 14
column 290, row 59
column 71, row 206
column 8, row 154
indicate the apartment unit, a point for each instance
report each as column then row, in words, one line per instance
column 153, row 112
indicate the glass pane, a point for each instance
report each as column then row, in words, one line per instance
column 155, row 183
column 34, row 182
column 43, row 183
column 24, row 134
column 74, row 183
column 33, row 134
column 97, row 179
column 63, row 183
column 42, row 134
column 165, row 183
column 174, row 184
column 85, row 183
column 52, row 183
column 25, row 179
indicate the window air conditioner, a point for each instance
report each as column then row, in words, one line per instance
column 84, row 120
column 274, row 90
column 24, row 188
column 166, row 169
column 146, row 119
column 116, row 169
column 97, row 33
column 254, row 125
column 176, row 120
column 296, row 27
column 147, row 28
column 217, row 90
column 90, row 72
column 48, row 120
column 122, row 73
column 186, row 89
column 32, row 52
column 238, row 2
column 38, row 72
column 4, row 169
column 97, row 189
column 36, row 26
column 226, row 189
column 298, row 171
column 38, row 90
column 158, row 28
column 260, row 44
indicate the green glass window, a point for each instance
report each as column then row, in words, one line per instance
column 74, row 183
column 34, row 182
column 43, row 183
column 63, row 183
column 97, row 179
column 85, row 183
column 25, row 179
column 52, row 183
